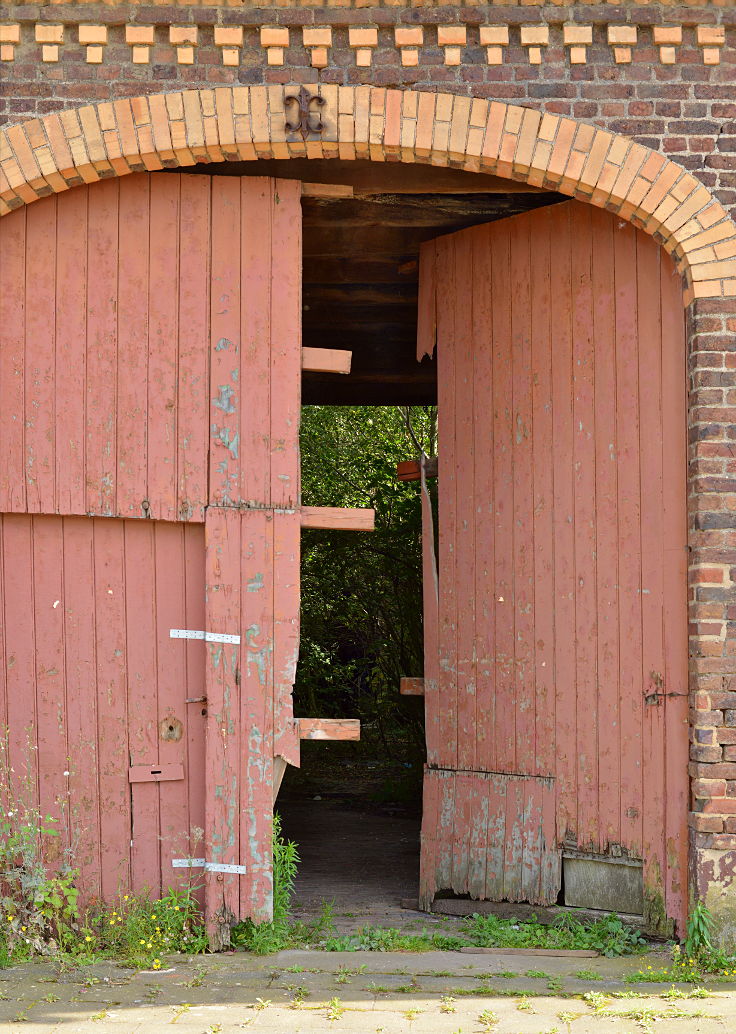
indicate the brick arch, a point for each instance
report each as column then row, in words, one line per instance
column 81, row 145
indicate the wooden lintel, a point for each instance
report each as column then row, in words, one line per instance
column 326, row 360
column 411, row 687
column 408, row 470
column 326, row 190
column 338, row 517
column 329, row 728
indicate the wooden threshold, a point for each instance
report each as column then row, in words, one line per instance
column 329, row 728
column 348, row 519
column 326, row 360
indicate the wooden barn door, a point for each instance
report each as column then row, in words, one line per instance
column 556, row 683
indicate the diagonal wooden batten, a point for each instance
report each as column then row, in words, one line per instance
column 329, row 517
column 326, row 360
column 329, row 728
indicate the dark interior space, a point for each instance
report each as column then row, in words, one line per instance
column 363, row 225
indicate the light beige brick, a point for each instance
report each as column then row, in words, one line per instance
column 7, row 52
column 92, row 34
column 360, row 36
column 667, row 34
column 624, row 35
column 140, row 35
column 317, row 36
column 451, row 35
column 49, row 34
column 229, row 36
column 9, row 33
column 409, row 36
column 274, row 36
column 534, row 35
column 494, row 35
column 180, row 35
column 577, row 34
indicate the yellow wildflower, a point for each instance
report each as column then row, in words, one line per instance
column 88, row 938
column 157, row 963
column 11, row 918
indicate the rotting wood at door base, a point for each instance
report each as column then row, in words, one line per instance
column 508, row 910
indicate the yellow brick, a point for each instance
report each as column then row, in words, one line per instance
column 140, row 34
column 319, row 57
column 578, row 55
column 451, row 35
column 49, row 53
column 667, row 34
column 711, row 56
column 409, row 36
column 622, row 34
column 534, row 35
column 667, row 55
column 185, row 55
column 363, row 57
column 230, row 56
column 275, row 55
column 141, row 55
column 92, row 34
column 711, row 35
column 229, row 36
column 317, row 36
column 494, row 35
column 95, row 55
column 494, row 55
column 363, row 37
column 183, row 34
column 577, row 34
column 9, row 33
column 7, row 52
column 409, row 57
column 49, row 34
column 274, row 36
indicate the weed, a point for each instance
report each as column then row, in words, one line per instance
column 20, row 1017
column 180, row 1010
column 645, row 1018
column 554, row 984
column 214, row 1028
column 488, row 1019
column 262, row 1003
column 198, row 979
column 50, row 998
column 411, row 1014
column 537, row 974
column 265, row 938
column 588, row 974
column 596, row 1000
column 524, row 1005
column 335, row 1009
column 447, row 1003
column 505, row 974
column 568, row 1017
column 675, row 993
column 99, row 1016
column 699, row 926
column 608, row 935
column 294, row 969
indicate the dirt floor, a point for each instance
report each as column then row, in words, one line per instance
column 310, row 992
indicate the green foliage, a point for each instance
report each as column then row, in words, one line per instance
column 38, row 896
column 361, row 616
column 699, row 927
column 266, row 938
column 608, row 935
column 141, row 932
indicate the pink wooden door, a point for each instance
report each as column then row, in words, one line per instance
column 150, row 369
column 556, row 685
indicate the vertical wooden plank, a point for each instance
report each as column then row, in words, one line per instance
column 20, row 643
column 71, row 358
column 585, row 698
column 286, row 588
column 465, row 502
column 256, row 712
column 531, row 836
column 513, row 843
column 484, row 561
column 521, row 686
column 12, row 361
column 606, row 478
column 101, row 383
column 428, row 854
column 650, row 404
column 495, row 862
column 111, row 709
column 163, row 332
column 286, row 341
column 629, row 538
column 81, row 680
column 195, row 654
column 133, row 303
column 463, row 821
column 226, row 671
column 427, row 303
column 430, row 623
column 447, row 481
column 142, row 637
column 194, row 305
column 3, row 645
column 503, row 502
column 40, row 306
column 172, row 714
column 542, row 500
column 48, row 620
column 564, row 544
column 478, row 836
column 445, row 826
column 674, row 541
column 226, row 382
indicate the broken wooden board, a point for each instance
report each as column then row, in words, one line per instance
column 519, row 911
column 331, row 517
column 329, row 728
column 326, row 360
column 410, row 470
column 411, row 687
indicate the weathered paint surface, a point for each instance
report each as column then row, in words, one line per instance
column 92, row 687
column 561, row 715
column 150, row 367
